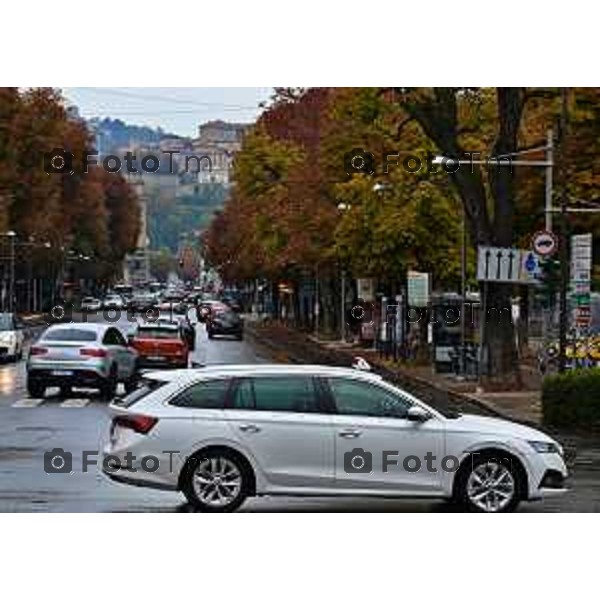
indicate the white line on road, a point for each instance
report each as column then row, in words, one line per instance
column 75, row 403
column 27, row 402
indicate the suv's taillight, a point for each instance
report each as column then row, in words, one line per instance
column 95, row 352
column 139, row 423
column 36, row 350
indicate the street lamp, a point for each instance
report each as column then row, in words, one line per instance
column 11, row 286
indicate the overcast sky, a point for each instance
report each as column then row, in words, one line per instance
column 176, row 110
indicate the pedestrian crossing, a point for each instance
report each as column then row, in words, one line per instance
column 52, row 401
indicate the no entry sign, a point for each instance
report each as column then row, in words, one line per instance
column 544, row 243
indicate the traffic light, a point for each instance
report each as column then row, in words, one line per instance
column 549, row 279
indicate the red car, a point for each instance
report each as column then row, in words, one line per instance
column 161, row 345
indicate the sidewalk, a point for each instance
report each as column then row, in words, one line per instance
column 289, row 345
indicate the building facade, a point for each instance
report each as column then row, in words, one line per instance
column 219, row 141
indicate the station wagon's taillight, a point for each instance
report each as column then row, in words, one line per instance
column 37, row 350
column 139, row 423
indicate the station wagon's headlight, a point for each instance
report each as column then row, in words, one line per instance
column 545, row 447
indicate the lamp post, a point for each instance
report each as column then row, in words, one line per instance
column 11, row 286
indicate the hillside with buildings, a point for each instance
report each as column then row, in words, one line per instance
column 180, row 199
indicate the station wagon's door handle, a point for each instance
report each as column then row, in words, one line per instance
column 350, row 433
column 249, row 428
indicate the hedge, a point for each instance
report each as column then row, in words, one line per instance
column 572, row 399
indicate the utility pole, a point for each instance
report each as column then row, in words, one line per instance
column 317, row 309
column 343, row 307
column 549, row 167
column 563, row 246
column 463, row 293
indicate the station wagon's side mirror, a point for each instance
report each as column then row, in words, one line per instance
column 417, row 414
column 360, row 364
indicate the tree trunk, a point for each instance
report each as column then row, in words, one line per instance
column 499, row 365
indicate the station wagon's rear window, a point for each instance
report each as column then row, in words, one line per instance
column 147, row 387
column 204, row 394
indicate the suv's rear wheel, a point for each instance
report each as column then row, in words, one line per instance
column 216, row 481
column 35, row 389
column 489, row 484
column 132, row 383
column 108, row 389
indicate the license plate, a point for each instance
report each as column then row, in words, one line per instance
column 156, row 358
column 62, row 373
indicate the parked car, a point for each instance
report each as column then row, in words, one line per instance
column 161, row 345
column 113, row 302
column 225, row 321
column 246, row 430
column 89, row 355
column 90, row 304
column 12, row 338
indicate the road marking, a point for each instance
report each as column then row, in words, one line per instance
column 27, row 402
column 75, row 403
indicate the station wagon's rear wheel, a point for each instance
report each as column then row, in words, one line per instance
column 216, row 481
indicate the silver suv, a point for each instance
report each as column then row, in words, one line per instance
column 81, row 355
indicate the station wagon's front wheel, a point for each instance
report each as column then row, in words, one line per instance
column 216, row 481
column 490, row 484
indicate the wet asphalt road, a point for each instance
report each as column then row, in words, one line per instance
column 30, row 428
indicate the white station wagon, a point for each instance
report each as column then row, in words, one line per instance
column 221, row 434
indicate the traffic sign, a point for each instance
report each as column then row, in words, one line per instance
column 531, row 270
column 419, row 288
column 581, row 276
column 544, row 243
column 498, row 264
